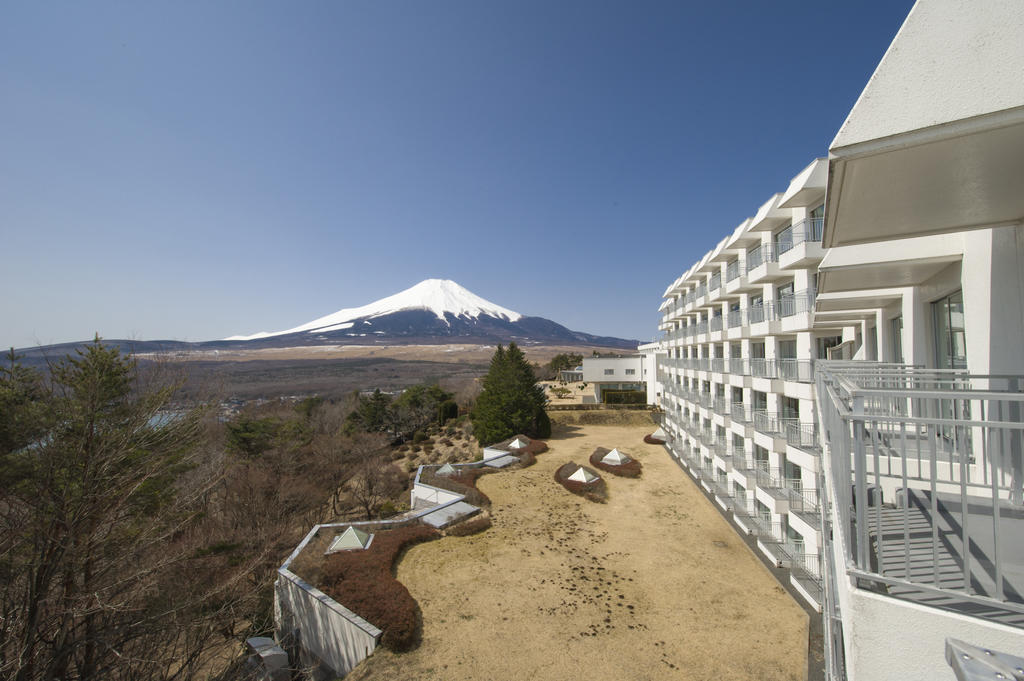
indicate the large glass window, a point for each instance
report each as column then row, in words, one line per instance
column 950, row 336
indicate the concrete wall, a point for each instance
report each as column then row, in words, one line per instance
column 330, row 637
column 594, row 369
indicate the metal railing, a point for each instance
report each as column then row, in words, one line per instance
column 716, row 282
column 741, row 413
column 926, row 476
column 734, row 270
column 802, row 434
column 809, row 229
column 760, row 255
column 767, row 422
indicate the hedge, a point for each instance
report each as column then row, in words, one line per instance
column 623, row 397
column 363, row 581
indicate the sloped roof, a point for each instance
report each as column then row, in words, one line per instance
column 615, row 458
column 446, row 469
column 581, row 474
column 351, row 538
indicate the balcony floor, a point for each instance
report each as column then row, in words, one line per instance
column 947, row 573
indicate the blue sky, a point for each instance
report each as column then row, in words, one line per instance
column 194, row 170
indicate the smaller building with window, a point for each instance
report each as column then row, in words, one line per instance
column 617, row 379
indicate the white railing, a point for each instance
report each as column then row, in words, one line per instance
column 927, row 481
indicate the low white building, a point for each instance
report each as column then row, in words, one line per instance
column 610, row 374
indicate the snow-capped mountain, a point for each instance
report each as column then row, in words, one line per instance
column 442, row 297
column 432, row 311
column 435, row 311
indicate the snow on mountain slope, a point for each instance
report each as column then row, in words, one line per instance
column 440, row 296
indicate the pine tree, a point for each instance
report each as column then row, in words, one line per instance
column 511, row 401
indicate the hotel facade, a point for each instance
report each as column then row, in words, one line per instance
column 844, row 371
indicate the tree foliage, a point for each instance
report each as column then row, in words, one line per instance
column 92, row 512
column 511, row 402
column 564, row 361
column 398, row 418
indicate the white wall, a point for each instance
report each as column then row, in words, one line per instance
column 337, row 637
column 594, row 369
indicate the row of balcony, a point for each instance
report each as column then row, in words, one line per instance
column 800, row 370
column 759, row 473
column 766, row 311
column 797, row 433
column 805, row 231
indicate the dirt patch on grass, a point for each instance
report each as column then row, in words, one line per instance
column 654, row 584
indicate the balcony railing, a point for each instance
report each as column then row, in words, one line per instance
column 741, row 413
column 760, row 255
column 716, row 323
column 733, row 270
column 803, row 435
column 951, row 445
column 767, row 422
column 716, row 282
column 809, row 229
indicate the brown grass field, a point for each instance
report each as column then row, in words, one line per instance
column 652, row 584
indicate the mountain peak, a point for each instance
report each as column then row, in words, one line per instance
column 440, row 296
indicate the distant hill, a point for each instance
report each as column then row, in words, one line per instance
column 434, row 311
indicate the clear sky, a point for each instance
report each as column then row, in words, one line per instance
column 192, row 170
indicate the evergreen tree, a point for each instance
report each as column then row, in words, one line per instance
column 511, row 401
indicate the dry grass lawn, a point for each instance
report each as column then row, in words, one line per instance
column 652, row 585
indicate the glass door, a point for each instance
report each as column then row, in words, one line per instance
column 950, row 336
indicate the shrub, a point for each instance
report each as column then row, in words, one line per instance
column 624, row 397
column 595, row 491
column 418, row 437
column 427, row 448
column 527, row 458
column 390, row 508
column 630, row 469
column 446, row 442
column 448, row 409
column 477, row 523
column 363, row 582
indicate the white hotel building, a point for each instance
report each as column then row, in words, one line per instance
column 844, row 372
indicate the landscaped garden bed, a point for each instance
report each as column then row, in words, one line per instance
column 363, row 581
column 629, row 469
column 595, row 490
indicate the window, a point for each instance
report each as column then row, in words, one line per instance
column 609, row 372
column 784, row 239
column 950, row 336
column 896, row 324
column 825, row 343
column 631, row 372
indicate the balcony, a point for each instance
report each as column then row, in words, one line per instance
column 767, row 422
column 802, row 435
column 800, row 370
column 925, row 482
column 802, row 245
column 761, row 263
column 741, row 413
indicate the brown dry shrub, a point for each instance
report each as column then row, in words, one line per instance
column 527, row 458
column 476, row 524
column 364, row 582
column 630, row 469
column 596, row 491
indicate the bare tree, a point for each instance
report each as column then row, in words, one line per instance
column 375, row 479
